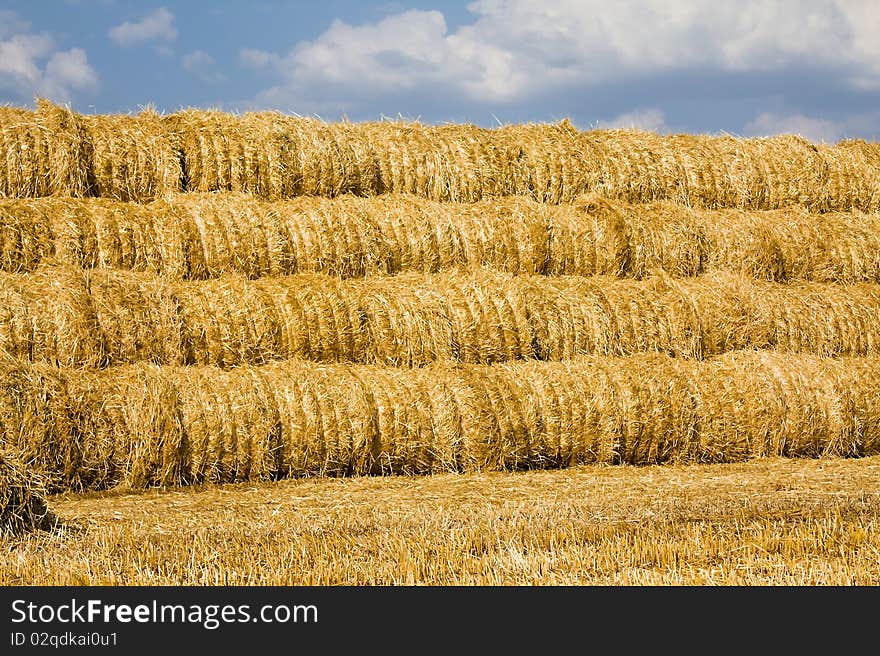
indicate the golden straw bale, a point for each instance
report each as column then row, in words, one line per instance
column 697, row 173
column 22, row 507
column 327, row 419
column 552, row 163
column 641, row 316
column 339, row 237
column 813, row 318
column 226, row 322
column 135, row 430
column 38, row 423
column 850, row 180
column 231, row 425
column 329, row 166
column 665, row 236
column 418, row 235
column 137, row 316
column 359, row 156
column 74, row 230
column 25, row 236
column 233, row 235
column 222, row 152
column 730, row 310
column 747, row 242
column 315, row 317
column 133, row 157
column 44, row 152
column 406, row 322
column 554, row 405
column 506, row 234
column 590, row 236
column 48, row 316
column 656, row 409
column 476, row 165
column 631, row 165
column 488, row 315
column 409, row 160
column 149, row 238
column 507, row 445
column 861, row 379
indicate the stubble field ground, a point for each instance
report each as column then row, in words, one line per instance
column 764, row 522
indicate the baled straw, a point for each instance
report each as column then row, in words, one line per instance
column 138, row 317
column 48, row 316
column 25, row 236
column 133, row 157
column 22, row 507
column 44, row 153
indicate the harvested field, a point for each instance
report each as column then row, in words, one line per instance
column 203, row 298
column 769, row 521
column 198, row 236
column 143, row 425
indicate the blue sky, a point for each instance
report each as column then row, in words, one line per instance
column 748, row 67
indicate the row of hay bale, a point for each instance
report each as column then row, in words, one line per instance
column 145, row 425
column 54, row 151
column 205, row 235
column 105, row 317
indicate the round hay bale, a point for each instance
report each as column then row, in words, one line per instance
column 74, row 232
column 406, row 323
column 25, row 236
column 138, row 317
column 59, row 324
column 135, row 428
column 22, row 507
column 746, row 243
column 588, row 237
column 827, row 320
column 656, row 406
column 133, row 158
column 38, row 423
column 339, row 237
column 729, row 309
column 44, row 153
column 316, row 317
column 236, row 236
column 212, row 150
column 665, row 236
column 505, row 234
column 231, row 424
column 359, row 157
column 551, row 158
column 226, row 322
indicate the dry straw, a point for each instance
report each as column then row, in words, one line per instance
column 43, row 152
column 144, row 425
column 205, row 235
column 106, row 317
column 22, row 507
column 133, row 157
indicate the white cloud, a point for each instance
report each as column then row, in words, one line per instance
column 517, row 50
column 31, row 64
column 158, row 26
column 650, row 118
column 254, row 58
column 202, row 65
column 814, row 128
